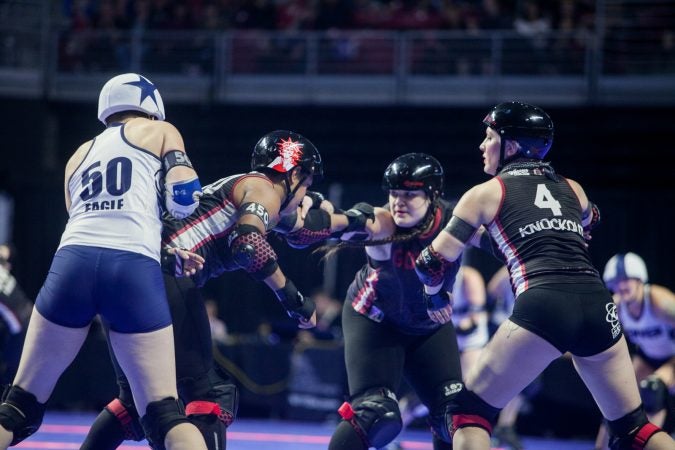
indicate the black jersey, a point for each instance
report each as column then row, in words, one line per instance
column 389, row 291
column 206, row 230
column 538, row 228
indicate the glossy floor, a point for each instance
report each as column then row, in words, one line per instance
column 62, row 431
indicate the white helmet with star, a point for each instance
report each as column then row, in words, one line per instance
column 623, row 266
column 130, row 92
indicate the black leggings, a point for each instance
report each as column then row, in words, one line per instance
column 378, row 355
column 192, row 341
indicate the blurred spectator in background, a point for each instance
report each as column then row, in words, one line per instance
column 647, row 314
column 15, row 309
column 328, row 319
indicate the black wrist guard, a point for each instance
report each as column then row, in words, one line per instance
column 357, row 216
column 317, row 198
column 171, row 264
column 297, row 305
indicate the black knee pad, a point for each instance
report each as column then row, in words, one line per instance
column 375, row 416
column 473, row 411
column 440, row 413
column 226, row 395
column 654, row 394
column 159, row 418
column 20, row 413
column 632, row 431
column 128, row 418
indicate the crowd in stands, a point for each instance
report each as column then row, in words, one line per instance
column 525, row 16
column 542, row 37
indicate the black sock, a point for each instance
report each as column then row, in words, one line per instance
column 346, row 438
column 106, row 433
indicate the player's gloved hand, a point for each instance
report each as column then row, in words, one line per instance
column 181, row 263
column 314, row 200
column 297, row 306
column 439, row 306
column 357, row 217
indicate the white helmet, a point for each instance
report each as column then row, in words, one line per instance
column 624, row 266
column 129, row 92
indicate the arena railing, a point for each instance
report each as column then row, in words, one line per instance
column 354, row 67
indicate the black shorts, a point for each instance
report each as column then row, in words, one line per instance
column 579, row 318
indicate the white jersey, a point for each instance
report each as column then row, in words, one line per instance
column 655, row 338
column 114, row 196
column 461, row 308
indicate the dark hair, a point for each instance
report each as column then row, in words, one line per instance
column 413, row 233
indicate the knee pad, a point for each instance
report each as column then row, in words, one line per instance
column 473, row 411
column 226, row 395
column 375, row 416
column 159, row 418
column 632, row 431
column 20, row 413
column 127, row 416
column 440, row 414
column 654, row 394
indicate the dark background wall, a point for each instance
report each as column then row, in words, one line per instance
column 620, row 155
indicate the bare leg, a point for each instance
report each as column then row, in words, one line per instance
column 602, row 439
column 509, row 414
column 149, row 363
column 48, row 350
column 510, row 361
column 611, row 379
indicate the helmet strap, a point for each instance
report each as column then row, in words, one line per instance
column 291, row 192
column 502, row 152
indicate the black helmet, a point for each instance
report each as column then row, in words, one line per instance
column 280, row 151
column 528, row 125
column 415, row 171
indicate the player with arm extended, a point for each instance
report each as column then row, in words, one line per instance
column 538, row 220
column 390, row 330
column 229, row 232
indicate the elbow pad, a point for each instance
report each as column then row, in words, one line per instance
column 251, row 251
column 182, row 197
column 432, row 269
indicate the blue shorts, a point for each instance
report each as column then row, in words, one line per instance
column 125, row 288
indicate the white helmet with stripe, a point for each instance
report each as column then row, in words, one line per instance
column 623, row 266
column 130, row 92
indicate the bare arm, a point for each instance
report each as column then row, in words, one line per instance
column 258, row 207
column 72, row 165
column 182, row 187
column 663, row 300
column 477, row 206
